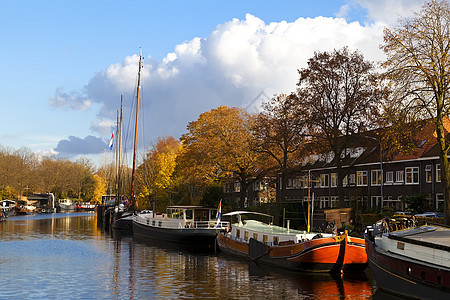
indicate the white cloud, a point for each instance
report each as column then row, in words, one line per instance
column 389, row 11
column 102, row 126
column 74, row 101
column 237, row 62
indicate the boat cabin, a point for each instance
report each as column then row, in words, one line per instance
column 182, row 217
column 266, row 233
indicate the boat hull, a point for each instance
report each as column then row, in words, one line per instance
column 407, row 277
column 189, row 236
column 318, row 255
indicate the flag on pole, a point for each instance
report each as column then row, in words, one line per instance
column 111, row 140
column 219, row 214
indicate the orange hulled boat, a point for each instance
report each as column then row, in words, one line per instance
column 292, row 249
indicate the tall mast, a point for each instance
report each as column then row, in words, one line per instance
column 117, row 160
column 119, row 185
column 118, row 152
column 133, row 200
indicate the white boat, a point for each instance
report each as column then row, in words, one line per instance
column 65, row 205
column 408, row 260
column 8, row 207
column 189, row 225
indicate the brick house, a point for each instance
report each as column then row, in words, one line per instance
column 372, row 180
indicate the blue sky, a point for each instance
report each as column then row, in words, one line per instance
column 65, row 63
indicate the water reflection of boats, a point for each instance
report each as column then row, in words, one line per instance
column 292, row 249
column 189, row 225
column 63, row 205
column 321, row 285
column 409, row 260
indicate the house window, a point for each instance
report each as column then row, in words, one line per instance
column 351, row 179
column 428, row 174
column 412, row 175
column 334, row 201
column 438, row 173
column 237, row 187
column 361, row 177
column 333, row 179
column 324, row 202
column 324, row 180
column 399, row 176
column 345, row 181
column 389, row 177
column 375, row 201
column 376, row 177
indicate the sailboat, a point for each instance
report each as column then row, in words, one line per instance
column 123, row 218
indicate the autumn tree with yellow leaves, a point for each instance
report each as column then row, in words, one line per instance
column 155, row 176
column 218, row 146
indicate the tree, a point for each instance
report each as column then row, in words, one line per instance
column 155, row 176
column 219, row 145
column 100, row 187
column 418, row 64
column 340, row 90
column 280, row 133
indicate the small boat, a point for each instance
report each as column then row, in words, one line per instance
column 26, row 209
column 190, row 225
column 85, row 206
column 291, row 249
column 65, row 205
column 7, row 207
column 410, row 260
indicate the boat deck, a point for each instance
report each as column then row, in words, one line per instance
column 431, row 236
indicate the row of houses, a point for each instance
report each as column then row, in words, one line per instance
column 372, row 181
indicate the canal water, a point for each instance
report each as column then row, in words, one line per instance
column 66, row 256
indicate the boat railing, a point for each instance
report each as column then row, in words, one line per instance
column 210, row 224
column 179, row 223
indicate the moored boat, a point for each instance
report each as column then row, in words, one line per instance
column 292, row 249
column 65, row 205
column 190, row 225
column 8, row 208
column 409, row 260
column 85, row 206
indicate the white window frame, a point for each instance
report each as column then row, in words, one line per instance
column 438, row 173
column 428, row 174
column 324, row 180
column 376, row 177
column 389, row 177
column 333, row 181
column 324, row 202
column 351, row 179
column 399, row 176
column 412, row 175
column 361, row 178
